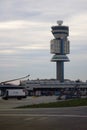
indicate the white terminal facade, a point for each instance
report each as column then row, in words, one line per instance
column 60, row 47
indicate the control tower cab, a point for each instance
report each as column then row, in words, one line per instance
column 60, row 46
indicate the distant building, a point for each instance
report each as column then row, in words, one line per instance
column 52, row 86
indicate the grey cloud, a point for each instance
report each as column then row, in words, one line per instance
column 40, row 10
column 37, row 62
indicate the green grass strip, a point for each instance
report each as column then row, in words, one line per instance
column 66, row 103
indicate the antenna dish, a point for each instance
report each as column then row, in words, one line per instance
column 59, row 22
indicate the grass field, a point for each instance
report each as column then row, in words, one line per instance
column 66, row 103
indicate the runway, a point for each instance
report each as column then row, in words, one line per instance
column 74, row 118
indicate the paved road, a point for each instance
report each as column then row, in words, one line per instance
column 11, row 103
column 74, row 118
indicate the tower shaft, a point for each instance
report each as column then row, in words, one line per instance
column 60, row 71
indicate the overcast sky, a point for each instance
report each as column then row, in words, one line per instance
column 25, row 34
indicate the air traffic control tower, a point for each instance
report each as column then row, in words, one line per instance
column 60, row 47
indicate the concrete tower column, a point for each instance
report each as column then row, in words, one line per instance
column 60, row 71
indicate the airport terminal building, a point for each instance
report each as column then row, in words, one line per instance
column 48, row 87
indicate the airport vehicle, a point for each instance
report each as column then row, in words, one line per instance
column 13, row 91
